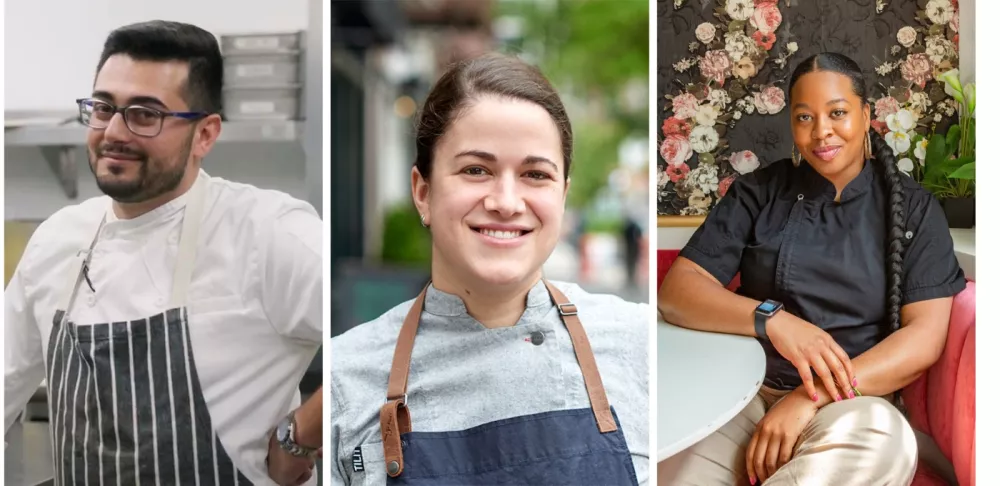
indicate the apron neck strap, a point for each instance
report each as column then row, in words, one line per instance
column 188, row 245
column 395, row 416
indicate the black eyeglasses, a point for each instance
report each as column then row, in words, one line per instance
column 140, row 120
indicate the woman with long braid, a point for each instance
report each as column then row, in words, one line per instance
column 847, row 274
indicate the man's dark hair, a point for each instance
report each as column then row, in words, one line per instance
column 160, row 40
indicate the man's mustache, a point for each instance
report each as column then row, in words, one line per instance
column 119, row 151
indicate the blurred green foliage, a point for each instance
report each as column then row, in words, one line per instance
column 591, row 50
column 405, row 241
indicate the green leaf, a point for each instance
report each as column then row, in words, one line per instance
column 954, row 133
column 965, row 172
column 706, row 158
column 736, row 25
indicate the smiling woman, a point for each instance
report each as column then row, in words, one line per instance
column 502, row 366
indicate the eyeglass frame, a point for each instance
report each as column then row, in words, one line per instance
column 186, row 115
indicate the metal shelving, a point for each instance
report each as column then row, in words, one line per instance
column 57, row 142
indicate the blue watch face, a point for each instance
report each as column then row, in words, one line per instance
column 767, row 307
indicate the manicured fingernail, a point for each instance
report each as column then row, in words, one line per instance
column 850, row 394
column 838, row 398
column 815, row 397
column 753, row 481
column 855, row 383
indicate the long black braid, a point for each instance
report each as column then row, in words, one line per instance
column 882, row 153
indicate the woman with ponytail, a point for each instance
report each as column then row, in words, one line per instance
column 847, row 274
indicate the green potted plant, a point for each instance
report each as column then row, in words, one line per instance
column 950, row 165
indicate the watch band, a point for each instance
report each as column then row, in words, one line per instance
column 287, row 443
column 760, row 324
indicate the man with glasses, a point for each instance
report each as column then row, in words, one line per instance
column 173, row 319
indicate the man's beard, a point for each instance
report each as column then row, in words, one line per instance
column 166, row 175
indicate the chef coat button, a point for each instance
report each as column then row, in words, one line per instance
column 800, row 197
column 909, row 235
column 91, row 300
column 393, row 467
column 537, row 338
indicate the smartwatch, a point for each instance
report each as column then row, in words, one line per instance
column 762, row 313
column 285, row 433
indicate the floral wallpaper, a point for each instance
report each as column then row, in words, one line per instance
column 724, row 66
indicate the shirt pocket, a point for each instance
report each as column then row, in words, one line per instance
column 373, row 461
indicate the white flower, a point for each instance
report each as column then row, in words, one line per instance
column 737, row 115
column 704, row 139
column 937, row 118
column 749, row 109
column 905, row 166
column 706, row 115
column 743, row 9
column 894, row 50
column 898, row 141
column 885, row 68
column 744, row 161
column 738, row 45
column 906, row 36
column 792, row 47
column 901, row 121
column 940, row 11
column 705, row 32
column 920, row 151
column 920, row 101
column 704, row 177
column 939, row 48
column 718, row 98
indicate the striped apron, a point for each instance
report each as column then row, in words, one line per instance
column 125, row 402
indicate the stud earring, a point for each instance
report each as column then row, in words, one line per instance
column 796, row 157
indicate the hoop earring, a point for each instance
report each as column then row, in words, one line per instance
column 868, row 147
column 422, row 222
column 796, row 156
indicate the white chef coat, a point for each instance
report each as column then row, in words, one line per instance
column 255, row 300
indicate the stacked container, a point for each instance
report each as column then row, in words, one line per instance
column 262, row 76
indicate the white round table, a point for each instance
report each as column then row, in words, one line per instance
column 703, row 380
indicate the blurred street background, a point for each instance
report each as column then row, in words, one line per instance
column 386, row 56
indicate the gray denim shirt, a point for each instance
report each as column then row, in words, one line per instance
column 463, row 374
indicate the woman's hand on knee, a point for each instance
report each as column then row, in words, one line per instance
column 809, row 349
column 773, row 441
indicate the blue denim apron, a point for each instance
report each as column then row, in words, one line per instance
column 580, row 446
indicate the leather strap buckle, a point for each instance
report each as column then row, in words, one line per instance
column 563, row 312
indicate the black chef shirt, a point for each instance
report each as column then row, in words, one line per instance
column 781, row 229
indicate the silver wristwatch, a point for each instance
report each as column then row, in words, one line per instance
column 285, row 433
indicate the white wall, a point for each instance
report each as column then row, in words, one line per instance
column 61, row 39
column 967, row 40
column 673, row 238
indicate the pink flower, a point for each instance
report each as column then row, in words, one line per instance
column 765, row 40
column 954, row 22
column 769, row 101
column 880, row 126
column 766, row 17
column 760, row 3
column 724, row 185
column 885, row 106
column 716, row 65
column 955, row 40
column 744, row 161
column 917, row 69
column 676, row 149
column 685, row 106
column 674, row 125
column 677, row 172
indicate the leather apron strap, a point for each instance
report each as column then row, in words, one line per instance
column 394, row 416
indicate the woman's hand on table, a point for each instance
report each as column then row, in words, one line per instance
column 810, row 348
column 773, row 441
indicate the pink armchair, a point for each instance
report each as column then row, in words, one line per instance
column 942, row 402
